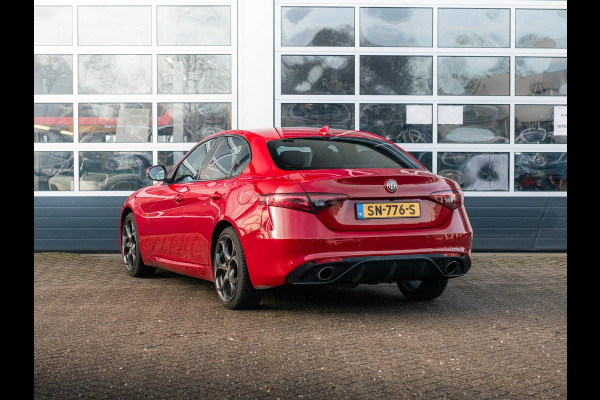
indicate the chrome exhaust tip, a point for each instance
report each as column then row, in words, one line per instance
column 325, row 273
column 451, row 267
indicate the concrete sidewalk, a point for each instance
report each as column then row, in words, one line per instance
column 498, row 332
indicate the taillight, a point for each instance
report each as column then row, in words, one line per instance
column 313, row 202
column 449, row 198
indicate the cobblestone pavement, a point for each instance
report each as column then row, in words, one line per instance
column 498, row 332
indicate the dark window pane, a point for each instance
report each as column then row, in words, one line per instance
column 317, row 26
column 424, row 157
column 52, row 123
column 399, row 123
column 194, row 73
column 339, row 116
column 52, row 170
column 115, row 122
column 193, row 25
column 317, row 75
column 169, row 158
column 395, row 26
column 190, row 167
column 115, row 74
column 473, row 27
column 541, row 76
column 52, row 74
column 191, row 122
column 473, row 76
column 475, row 171
column 396, row 75
column 222, row 161
column 545, row 172
column 541, row 28
column 473, row 123
column 114, row 170
column 540, row 124
column 241, row 162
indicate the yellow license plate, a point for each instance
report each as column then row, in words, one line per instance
column 388, row 210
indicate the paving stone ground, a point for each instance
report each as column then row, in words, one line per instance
column 498, row 332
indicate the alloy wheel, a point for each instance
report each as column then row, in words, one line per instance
column 129, row 243
column 226, row 274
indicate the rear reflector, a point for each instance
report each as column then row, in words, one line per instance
column 313, row 202
column 449, row 198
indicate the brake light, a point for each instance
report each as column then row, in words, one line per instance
column 449, row 198
column 311, row 202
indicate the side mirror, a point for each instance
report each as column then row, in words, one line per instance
column 157, row 173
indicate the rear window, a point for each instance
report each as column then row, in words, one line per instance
column 337, row 153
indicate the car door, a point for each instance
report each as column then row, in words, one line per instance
column 164, row 219
column 206, row 199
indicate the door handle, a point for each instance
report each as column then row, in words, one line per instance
column 216, row 196
column 178, row 198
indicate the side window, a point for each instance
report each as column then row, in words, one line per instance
column 222, row 161
column 188, row 169
column 241, row 162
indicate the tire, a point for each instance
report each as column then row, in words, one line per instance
column 130, row 249
column 422, row 290
column 232, row 281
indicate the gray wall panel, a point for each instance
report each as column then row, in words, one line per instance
column 79, row 223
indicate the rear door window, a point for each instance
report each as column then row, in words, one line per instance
column 222, row 160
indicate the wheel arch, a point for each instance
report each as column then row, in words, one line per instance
column 220, row 227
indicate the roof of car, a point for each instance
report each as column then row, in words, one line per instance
column 293, row 132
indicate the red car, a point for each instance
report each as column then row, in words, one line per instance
column 300, row 206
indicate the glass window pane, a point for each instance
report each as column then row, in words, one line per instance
column 114, row 25
column 114, row 170
column 396, row 75
column 115, row 74
column 317, row 26
column 241, row 162
column 194, row 25
column 52, row 123
column 541, row 28
column 424, row 157
column 115, row 122
column 537, row 123
column 396, row 26
column 222, row 161
column 170, row 158
column 52, row 170
column 190, row 167
column 475, row 171
column 473, row 123
column 337, row 116
column 194, row 73
column 399, row 123
column 52, row 74
column 473, row 27
column 191, row 122
column 317, row 74
column 545, row 172
column 473, row 76
column 541, row 76
column 52, row 25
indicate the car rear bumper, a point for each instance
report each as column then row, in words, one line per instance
column 380, row 269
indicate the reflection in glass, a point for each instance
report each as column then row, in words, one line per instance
column 395, row 26
column 194, row 25
column 397, row 124
column 113, row 170
column 221, row 162
column 424, row 157
column 115, row 122
column 115, row 74
column 114, row 25
column 52, row 74
column 535, row 124
column 480, row 124
column 317, row 26
column 541, row 172
column 317, row 74
column 473, row 27
column 396, row 75
column 52, row 25
column 473, row 76
column 52, row 123
column 194, row 73
column 541, row 76
column 336, row 116
column 170, row 158
column 475, row 171
column 191, row 122
column 52, row 170
column 541, row 28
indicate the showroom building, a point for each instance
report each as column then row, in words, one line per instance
column 476, row 90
